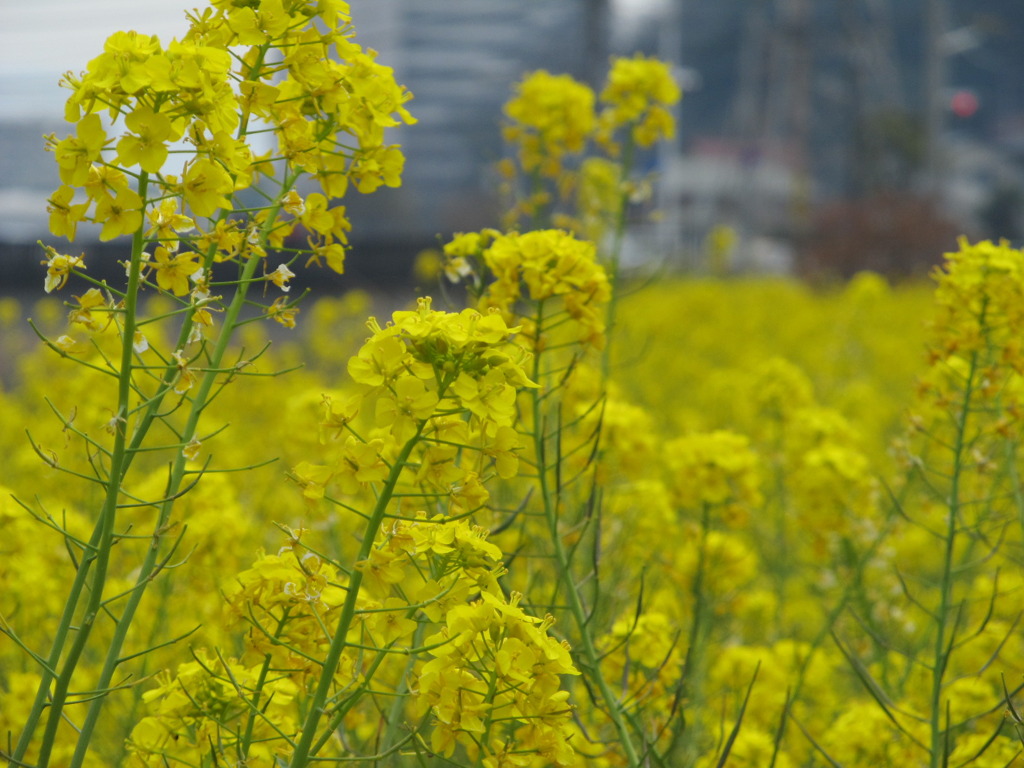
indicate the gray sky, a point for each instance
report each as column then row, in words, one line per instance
column 42, row 39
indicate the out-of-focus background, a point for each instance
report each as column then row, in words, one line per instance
column 828, row 136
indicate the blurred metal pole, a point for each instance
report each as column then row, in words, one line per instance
column 798, row 22
column 935, row 98
column 670, row 34
column 596, row 35
column 669, row 230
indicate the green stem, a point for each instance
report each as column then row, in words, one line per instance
column 492, row 689
column 563, row 567
column 539, row 218
column 346, row 705
column 145, row 422
column 131, row 450
column 302, row 755
column 401, row 691
column 155, row 631
column 1016, row 486
column 149, row 567
column 777, row 552
column 101, row 541
column 246, row 742
column 693, row 666
column 941, row 652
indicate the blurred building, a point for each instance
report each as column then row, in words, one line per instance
column 460, row 59
column 793, row 108
column 27, row 176
column 882, row 116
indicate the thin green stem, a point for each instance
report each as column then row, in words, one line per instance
column 345, row 706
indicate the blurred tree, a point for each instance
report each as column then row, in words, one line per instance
column 890, row 232
column 892, row 152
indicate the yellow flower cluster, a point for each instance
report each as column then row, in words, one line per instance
column 467, row 353
column 491, row 682
column 979, row 300
column 764, row 596
column 546, row 268
column 638, row 94
column 553, row 119
column 416, row 378
column 211, row 700
column 493, row 666
column 716, row 470
column 976, row 343
column 829, row 480
column 969, row 415
column 288, row 67
column 552, row 116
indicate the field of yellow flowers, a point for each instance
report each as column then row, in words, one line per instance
column 572, row 520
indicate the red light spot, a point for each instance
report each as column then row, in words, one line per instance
column 964, row 103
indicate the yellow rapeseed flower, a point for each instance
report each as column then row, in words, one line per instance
column 206, row 187
column 59, row 268
column 174, row 269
